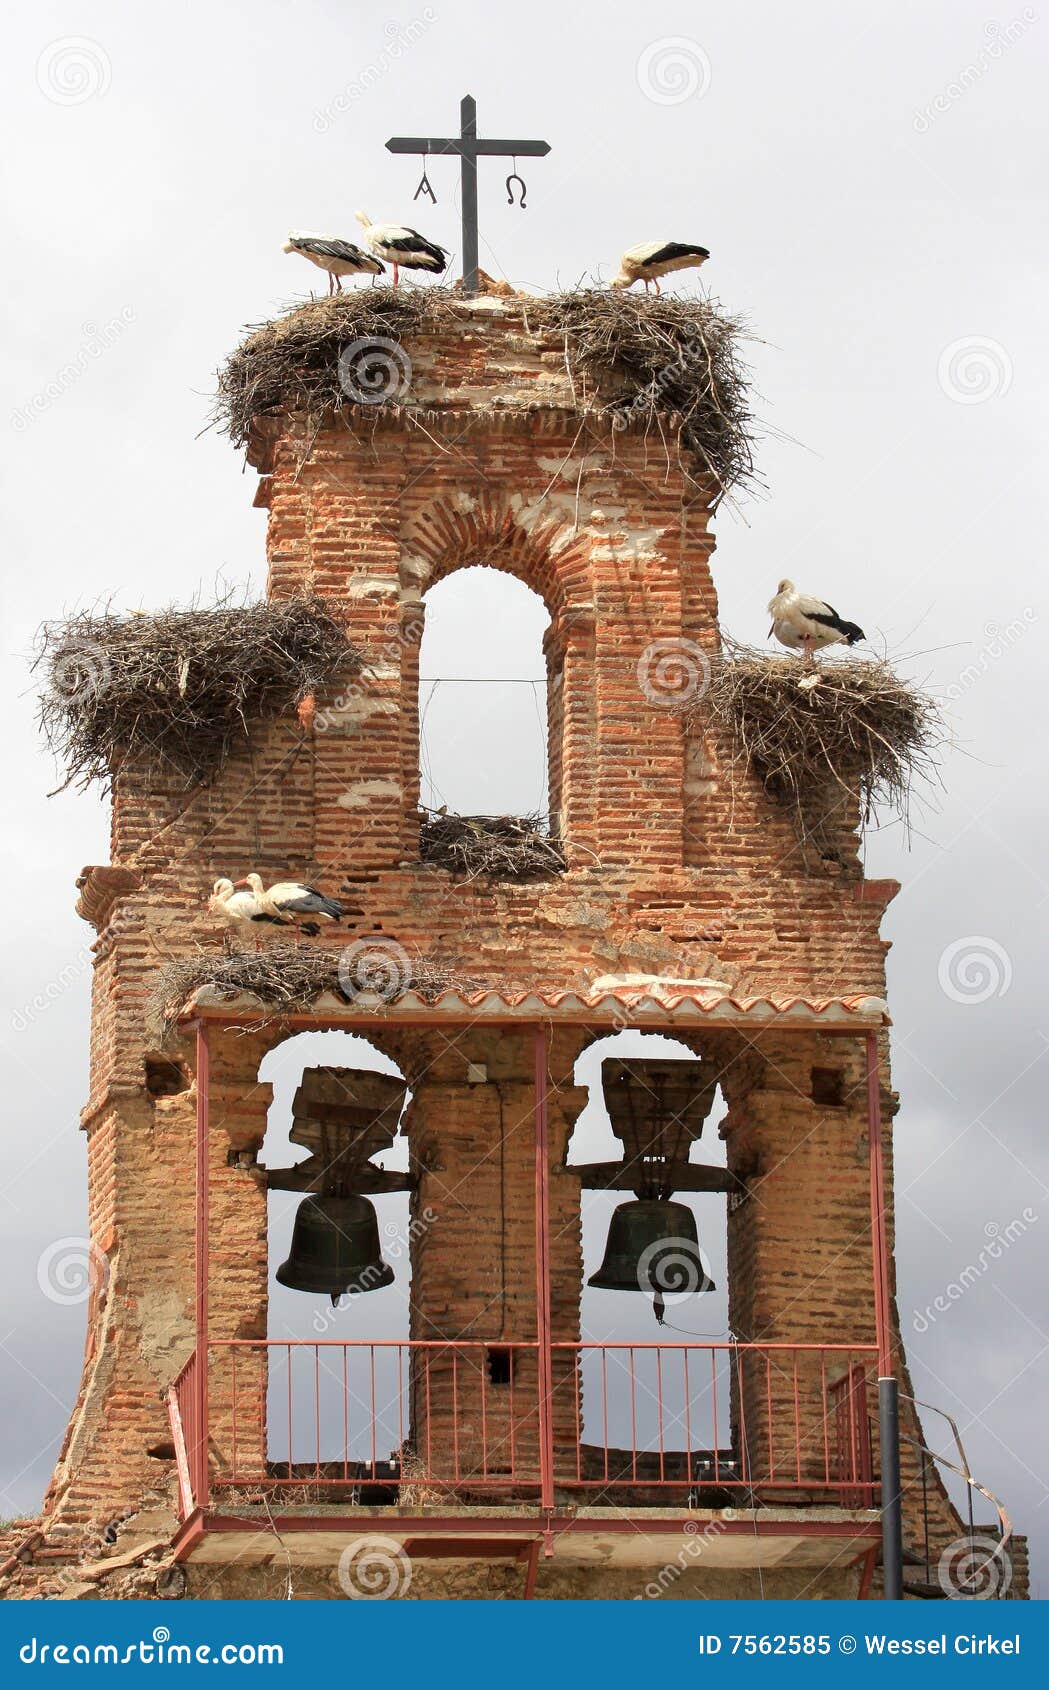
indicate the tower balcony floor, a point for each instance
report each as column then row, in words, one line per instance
column 643, row 1538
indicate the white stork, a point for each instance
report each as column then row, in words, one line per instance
column 238, row 910
column 652, row 259
column 803, row 623
column 339, row 258
column 288, row 900
column 402, row 247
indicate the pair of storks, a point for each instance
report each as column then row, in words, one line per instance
column 406, row 249
column 247, row 904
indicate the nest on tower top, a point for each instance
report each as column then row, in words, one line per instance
column 295, row 362
column 497, row 847
column 176, row 691
column 848, row 729
column 288, row 979
column 642, row 358
column 668, row 363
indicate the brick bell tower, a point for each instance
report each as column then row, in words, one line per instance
column 503, row 1452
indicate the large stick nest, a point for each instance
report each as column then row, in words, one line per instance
column 816, row 732
column 177, row 690
column 288, row 979
column 498, row 847
column 292, row 364
column 637, row 358
column 649, row 357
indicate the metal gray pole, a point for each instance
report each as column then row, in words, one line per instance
column 468, row 160
column 891, row 1513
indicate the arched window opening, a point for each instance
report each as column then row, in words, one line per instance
column 632, row 1399
column 484, row 687
column 328, row 1408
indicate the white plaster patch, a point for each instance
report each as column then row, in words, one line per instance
column 364, row 794
column 371, row 587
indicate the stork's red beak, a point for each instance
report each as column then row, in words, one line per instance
column 240, row 883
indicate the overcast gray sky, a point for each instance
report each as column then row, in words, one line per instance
column 871, row 184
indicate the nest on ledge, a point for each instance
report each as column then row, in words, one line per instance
column 289, row 978
column 499, row 847
column 816, row 732
column 176, row 690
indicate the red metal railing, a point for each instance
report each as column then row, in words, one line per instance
column 301, row 1412
column 188, row 1420
column 775, row 1420
column 738, row 1417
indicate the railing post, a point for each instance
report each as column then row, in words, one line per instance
column 199, row 1453
column 891, row 1511
column 542, row 1273
column 888, row 1389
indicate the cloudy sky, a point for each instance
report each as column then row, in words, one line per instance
column 871, row 186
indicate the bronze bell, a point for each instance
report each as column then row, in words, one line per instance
column 335, row 1248
column 652, row 1246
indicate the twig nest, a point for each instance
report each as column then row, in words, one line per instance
column 174, row 692
column 497, row 847
column 288, row 978
column 848, row 728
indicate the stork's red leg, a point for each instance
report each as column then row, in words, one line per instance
column 396, row 274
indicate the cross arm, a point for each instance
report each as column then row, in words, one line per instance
column 467, row 146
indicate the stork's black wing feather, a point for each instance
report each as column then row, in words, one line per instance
column 313, row 902
column 851, row 631
column 676, row 249
column 345, row 250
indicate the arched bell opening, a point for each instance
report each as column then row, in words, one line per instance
column 655, row 1259
column 339, row 1258
column 489, row 699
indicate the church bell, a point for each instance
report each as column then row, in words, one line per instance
column 652, row 1246
column 335, row 1248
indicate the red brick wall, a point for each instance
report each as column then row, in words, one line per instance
column 687, row 868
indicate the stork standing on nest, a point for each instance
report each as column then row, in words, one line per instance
column 240, row 911
column 652, row 259
column 803, row 623
column 290, row 900
column 402, row 247
column 339, row 258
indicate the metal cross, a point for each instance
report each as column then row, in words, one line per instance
column 469, row 149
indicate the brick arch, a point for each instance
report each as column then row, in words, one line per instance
column 549, row 557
